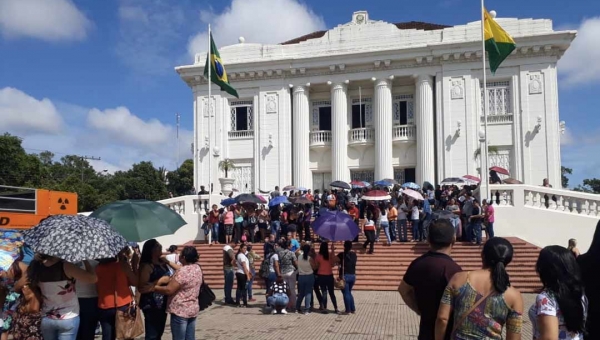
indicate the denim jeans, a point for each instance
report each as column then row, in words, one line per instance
column 88, row 318
column 468, row 232
column 326, row 283
column 403, row 230
column 377, row 231
column 476, row 227
column 393, row 232
column 183, row 328
column 229, row 275
column 416, row 231
column 65, row 329
column 305, row 287
column 290, row 279
column 251, row 281
column 268, row 282
column 215, row 232
column 278, row 300
column 386, row 230
column 241, row 292
column 107, row 322
column 237, row 232
column 490, row 229
column 347, row 292
column 276, row 229
column 155, row 321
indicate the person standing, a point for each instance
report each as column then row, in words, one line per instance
column 252, row 256
column 242, row 275
column 347, row 261
column 402, row 220
column 467, row 211
column 369, row 230
column 428, row 275
column 414, row 217
column 228, row 222
column 490, row 218
column 88, row 306
column 325, row 274
column 306, row 279
column 288, row 264
column 476, row 219
column 213, row 220
column 228, row 272
column 385, row 225
column 392, row 213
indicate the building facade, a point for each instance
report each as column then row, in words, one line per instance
column 370, row 100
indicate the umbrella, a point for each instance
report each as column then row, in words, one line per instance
column 302, row 189
column 264, row 191
column 390, row 180
column 140, row 220
column 376, row 195
column 499, row 170
column 472, row 178
column 335, row 226
column 453, row 180
column 359, row 184
column 512, row 181
column 228, row 201
column 301, row 200
column 249, row 198
column 278, row 200
column 289, row 188
column 383, row 183
column 340, row 184
column 411, row 185
column 75, row 238
column 414, row 194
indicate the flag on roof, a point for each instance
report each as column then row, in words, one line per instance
column 498, row 43
column 218, row 75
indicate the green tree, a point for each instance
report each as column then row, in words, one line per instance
column 144, row 182
column 590, row 185
column 181, row 181
column 564, row 171
column 226, row 165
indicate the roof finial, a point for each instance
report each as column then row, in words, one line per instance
column 241, row 40
column 493, row 14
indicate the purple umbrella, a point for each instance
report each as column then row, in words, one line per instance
column 335, row 226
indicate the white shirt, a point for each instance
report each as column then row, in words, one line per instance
column 415, row 213
column 401, row 212
column 304, row 267
column 242, row 261
column 272, row 259
column 86, row 290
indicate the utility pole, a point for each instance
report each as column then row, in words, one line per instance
column 177, row 117
column 87, row 158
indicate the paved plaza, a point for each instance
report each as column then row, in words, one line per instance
column 379, row 315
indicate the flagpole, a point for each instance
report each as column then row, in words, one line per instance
column 209, row 102
column 360, row 107
column 483, row 155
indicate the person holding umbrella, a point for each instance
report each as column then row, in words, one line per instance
column 60, row 306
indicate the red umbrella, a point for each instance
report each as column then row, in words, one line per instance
column 376, row 195
column 500, row 170
column 359, row 184
column 472, row 178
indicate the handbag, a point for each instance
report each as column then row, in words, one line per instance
column 340, row 283
column 206, row 296
column 129, row 323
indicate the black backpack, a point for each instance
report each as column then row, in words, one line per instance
column 265, row 266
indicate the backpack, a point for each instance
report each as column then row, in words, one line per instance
column 265, row 266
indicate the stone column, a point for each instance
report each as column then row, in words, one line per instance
column 383, row 129
column 424, row 120
column 339, row 133
column 300, row 152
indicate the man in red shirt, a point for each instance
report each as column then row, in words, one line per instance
column 213, row 220
column 355, row 213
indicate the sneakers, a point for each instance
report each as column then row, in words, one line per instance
column 283, row 311
column 273, row 311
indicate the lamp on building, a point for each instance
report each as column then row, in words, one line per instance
column 458, row 125
column 562, row 127
column 538, row 126
column 270, row 140
column 206, row 145
column 481, row 136
column 216, row 151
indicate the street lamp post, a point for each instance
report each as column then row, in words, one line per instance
column 484, row 186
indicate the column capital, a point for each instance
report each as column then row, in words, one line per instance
column 299, row 88
column 338, row 85
column 382, row 82
column 419, row 78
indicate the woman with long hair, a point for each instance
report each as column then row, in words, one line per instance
column 228, row 220
column 153, row 269
column 242, row 275
column 559, row 311
column 347, row 263
column 183, row 290
column 589, row 263
column 306, row 279
column 483, row 302
column 385, row 224
column 325, row 272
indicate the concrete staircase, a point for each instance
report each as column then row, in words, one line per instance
column 383, row 270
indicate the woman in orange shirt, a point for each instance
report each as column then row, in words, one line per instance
column 114, row 278
column 325, row 275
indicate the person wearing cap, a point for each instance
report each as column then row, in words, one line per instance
column 427, row 276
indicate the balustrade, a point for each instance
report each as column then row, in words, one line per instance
column 556, row 200
column 403, row 133
column 361, row 135
column 241, row 134
column 320, row 138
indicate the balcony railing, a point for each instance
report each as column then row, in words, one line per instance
column 320, row 138
column 244, row 134
column 404, row 133
column 361, row 136
column 498, row 119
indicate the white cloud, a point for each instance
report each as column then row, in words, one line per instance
column 258, row 21
column 567, row 138
column 24, row 114
column 580, row 64
column 50, row 20
column 122, row 125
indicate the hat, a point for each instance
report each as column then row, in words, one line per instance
column 441, row 232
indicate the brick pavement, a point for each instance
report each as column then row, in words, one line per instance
column 379, row 315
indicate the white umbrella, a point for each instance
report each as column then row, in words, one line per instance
column 414, row 194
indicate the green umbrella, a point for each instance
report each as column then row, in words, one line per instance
column 140, row 220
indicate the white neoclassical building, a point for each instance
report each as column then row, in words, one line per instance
column 370, row 100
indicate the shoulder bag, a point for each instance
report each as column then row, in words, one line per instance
column 206, row 296
column 466, row 314
column 129, row 323
column 340, row 283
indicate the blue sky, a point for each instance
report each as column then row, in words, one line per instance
column 96, row 77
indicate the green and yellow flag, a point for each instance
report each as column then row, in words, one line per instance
column 498, row 43
column 218, row 75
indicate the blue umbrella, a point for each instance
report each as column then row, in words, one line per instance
column 411, row 185
column 278, row 200
column 383, row 183
column 335, row 226
column 301, row 189
column 228, row 201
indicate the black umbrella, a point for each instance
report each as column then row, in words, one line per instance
column 249, row 198
column 75, row 238
column 340, row 184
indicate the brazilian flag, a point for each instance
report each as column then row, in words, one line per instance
column 218, row 75
column 498, row 43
